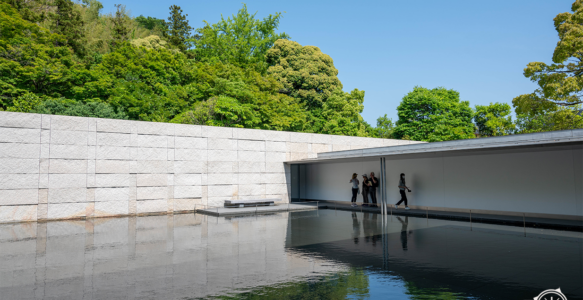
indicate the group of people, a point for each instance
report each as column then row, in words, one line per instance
column 369, row 189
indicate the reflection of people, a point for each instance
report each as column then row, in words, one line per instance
column 373, row 190
column 355, row 183
column 402, row 187
column 365, row 186
column 404, row 231
column 355, row 227
column 370, row 228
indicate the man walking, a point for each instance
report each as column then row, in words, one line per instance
column 373, row 189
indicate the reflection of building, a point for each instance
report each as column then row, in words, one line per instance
column 164, row 257
column 449, row 256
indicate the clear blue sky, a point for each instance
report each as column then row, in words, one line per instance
column 478, row 48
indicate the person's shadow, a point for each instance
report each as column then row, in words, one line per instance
column 404, row 232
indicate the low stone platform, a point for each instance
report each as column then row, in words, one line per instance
column 224, row 211
column 250, row 203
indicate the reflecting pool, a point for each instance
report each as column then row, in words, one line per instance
column 322, row 254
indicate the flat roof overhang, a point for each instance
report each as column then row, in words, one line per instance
column 522, row 142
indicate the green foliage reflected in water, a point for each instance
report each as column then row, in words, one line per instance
column 353, row 284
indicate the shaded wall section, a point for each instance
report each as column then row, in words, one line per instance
column 543, row 180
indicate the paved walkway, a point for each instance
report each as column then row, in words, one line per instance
column 571, row 225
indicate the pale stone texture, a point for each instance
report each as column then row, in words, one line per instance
column 151, row 206
column 18, row 165
column 59, row 181
column 15, row 150
column 20, row 213
column 19, row 197
column 78, row 195
column 75, row 167
column 19, row 135
column 112, row 180
column 152, row 180
column 187, row 192
column 66, row 210
column 145, row 193
column 112, row 194
column 67, row 166
column 18, row 181
column 20, row 120
column 112, row 166
column 111, row 208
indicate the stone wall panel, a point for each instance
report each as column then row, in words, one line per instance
column 112, row 180
column 18, row 213
column 112, row 166
column 68, row 151
column 19, row 197
column 111, row 152
column 19, row 120
column 67, row 166
column 113, row 139
column 18, row 181
column 70, row 167
column 18, row 165
column 69, row 123
column 19, row 135
column 187, row 179
column 151, row 193
column 67, row 195
column 111, row 208
column 152, row 179
column 112, row 194
column 151, row 206
column 187, row 192
column 61, row 181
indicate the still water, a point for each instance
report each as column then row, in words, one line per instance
column 321, row 254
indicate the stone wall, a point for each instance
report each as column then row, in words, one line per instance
column 59, row 167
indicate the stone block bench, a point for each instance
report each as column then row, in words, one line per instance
column 250, row 203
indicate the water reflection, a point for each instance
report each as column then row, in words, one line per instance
column 312, row 255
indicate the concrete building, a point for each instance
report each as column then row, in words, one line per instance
column 538, row 175
column 59, row 167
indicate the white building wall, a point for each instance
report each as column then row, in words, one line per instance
column 59, row 167
column 541, row 181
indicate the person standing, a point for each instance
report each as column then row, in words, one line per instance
column 365, row 187
column 402, row 187
column 373, row 189
column 355, row 184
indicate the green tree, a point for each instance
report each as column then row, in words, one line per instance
column 177, row 29
column 120, row 30
column 434, row 115
column 67, row 21
column 494, row 119
column 305, row 72
column 151, row 23
column 341, row 113
column 385, row 128
column 241, row 40
column 30, row 61
column 560, row 83
column 93, row 109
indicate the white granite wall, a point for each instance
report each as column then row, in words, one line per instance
column 59, row 167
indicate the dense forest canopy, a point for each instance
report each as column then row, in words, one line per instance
column 69, row 58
